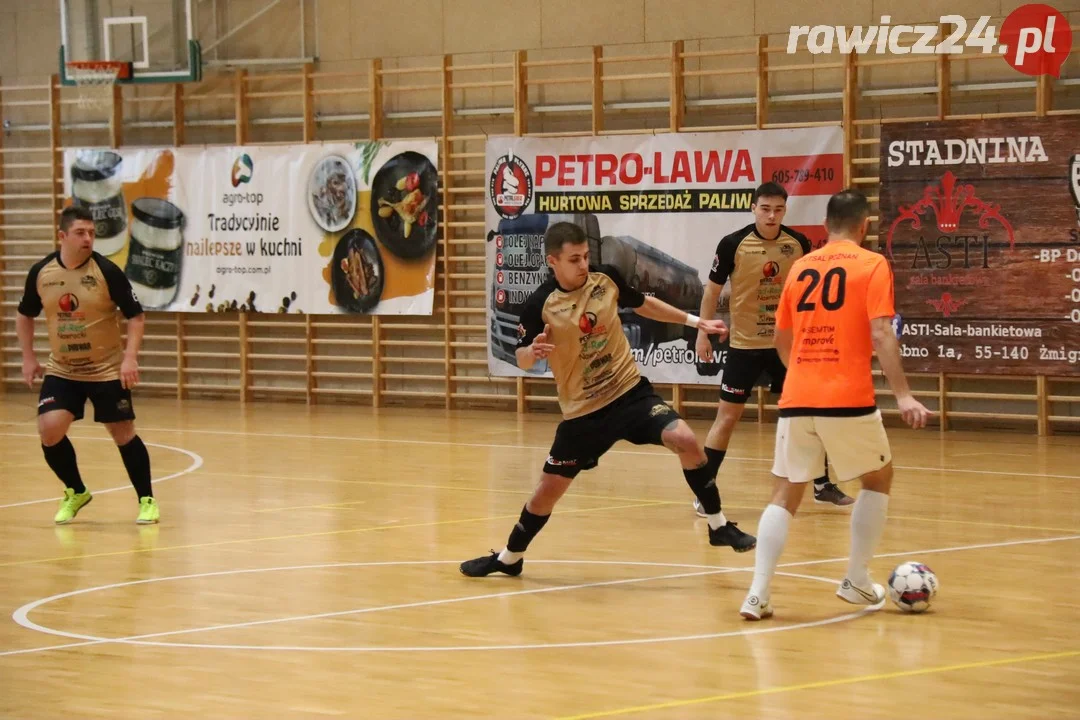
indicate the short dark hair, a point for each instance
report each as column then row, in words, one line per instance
column 846, row 212
column 769, row 189
column 563, row 233
column 72, row 213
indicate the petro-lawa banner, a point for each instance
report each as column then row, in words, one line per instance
column 654, row 207
column 334, row 228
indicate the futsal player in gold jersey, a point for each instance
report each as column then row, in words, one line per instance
column 572, row 321
column 755, row 261
column 80, row 292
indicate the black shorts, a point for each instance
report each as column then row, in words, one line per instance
column 112, row 403
column 639, row 416
column 744, row 368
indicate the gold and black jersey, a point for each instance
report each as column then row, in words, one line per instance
column 81, row 306
column 591, row 362
column 756, row 268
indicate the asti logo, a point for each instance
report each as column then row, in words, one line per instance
column 242, row 170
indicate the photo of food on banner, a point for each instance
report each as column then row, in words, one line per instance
column 136, row 226
column 521, row 266
column 377, row 238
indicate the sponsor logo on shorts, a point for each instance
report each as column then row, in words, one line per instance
column 734, row 391
column 659, row 409
column 46, row 401
column 123, row 405
column 561, row 463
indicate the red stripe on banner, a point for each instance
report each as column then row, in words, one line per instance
column 805, row 174
column 815, row 233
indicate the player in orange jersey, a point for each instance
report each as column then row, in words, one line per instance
column 836, row 309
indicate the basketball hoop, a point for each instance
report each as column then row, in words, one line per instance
column 95, row 78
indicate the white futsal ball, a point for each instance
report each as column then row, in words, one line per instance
column 912, row 587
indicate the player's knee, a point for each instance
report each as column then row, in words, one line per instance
column 547, row 494
column 728, row 413
column 122, row 432
column 51, row 433
column 879, row 480
column 51, row 430
column 681, row 439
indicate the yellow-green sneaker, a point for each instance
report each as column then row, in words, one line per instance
column 70, row 506
column 148, row 511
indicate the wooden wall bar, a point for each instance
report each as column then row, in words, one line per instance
column 441, row 360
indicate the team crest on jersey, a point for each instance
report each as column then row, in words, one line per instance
column 68, row 303
column 598, row 292
column 88, row 281
column 787, row 250
column 587, row 323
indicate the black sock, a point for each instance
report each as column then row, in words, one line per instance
column 715, row 459
column 822, row 481
column 528, row 526
column 137, row 462
column 61, row 458
column 703, row 482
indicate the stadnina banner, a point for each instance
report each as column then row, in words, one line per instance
column 981, row 220
column 334, row 228
column 653, row 206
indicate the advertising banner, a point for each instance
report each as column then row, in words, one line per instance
column 653, row 206
column 981, row 220
column 334, row 228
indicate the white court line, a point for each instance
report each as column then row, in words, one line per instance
column 21, row 615
column 196, row 463
column 545, row 448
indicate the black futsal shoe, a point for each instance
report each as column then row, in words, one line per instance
column 487, row 564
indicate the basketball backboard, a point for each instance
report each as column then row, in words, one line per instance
column 156, row 36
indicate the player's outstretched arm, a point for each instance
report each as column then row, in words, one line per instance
column 888, row 352
column 539, row 349
column 656, row 309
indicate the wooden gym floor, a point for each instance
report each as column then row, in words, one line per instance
column 306, row 566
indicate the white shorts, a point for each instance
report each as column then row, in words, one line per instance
column 855, row 446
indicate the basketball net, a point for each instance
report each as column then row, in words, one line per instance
column 95, row 81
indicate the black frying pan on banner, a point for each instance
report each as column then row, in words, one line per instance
column 357, row 272
column 405, row 205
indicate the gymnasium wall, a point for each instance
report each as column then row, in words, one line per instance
column 549, row 67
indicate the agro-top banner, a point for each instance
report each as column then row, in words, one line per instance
column 335, row 228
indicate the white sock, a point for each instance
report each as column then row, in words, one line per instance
column 509, row 558
column 771, row 535
column 867, row 524
column 717, row 521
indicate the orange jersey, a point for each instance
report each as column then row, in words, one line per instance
column 829, row 298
